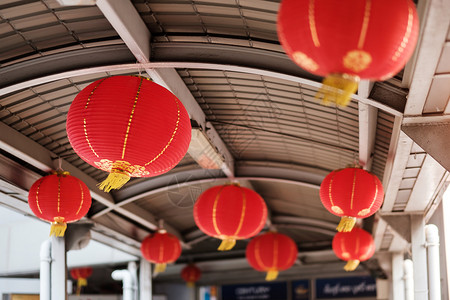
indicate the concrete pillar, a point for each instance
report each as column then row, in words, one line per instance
column 59, row 269
column 419, row 257
column 145, row 280
column 398, row 285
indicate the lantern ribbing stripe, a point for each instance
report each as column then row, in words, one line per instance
column 362, row 36
column 407, row 35
column 241, row 221
column 353, row 189
column 88, row 100
column 312, row 24
column 82, row 198
column 214, row 212
column 275, row 253
column 59, row 193
column 37, row 197
column 131, row 118
column 173, row 134
column 258, row 256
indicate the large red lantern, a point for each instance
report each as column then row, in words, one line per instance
column 348, row 40
column 271, row 252
column 161, row 248
column 81, row 275
column 191, row 274
column 60, row 199
column 230, row 213
column 351, row 193
column 354, row 246
column 128, row 126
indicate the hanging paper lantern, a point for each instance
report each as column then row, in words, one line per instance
column 128, row 126
column 351, row 193
column 60, row 199
column 346, row 41
column 81, row 275
column 230, row 213
column 191, row 274
column 161, row 248
column 271, row 252
column 354, row 246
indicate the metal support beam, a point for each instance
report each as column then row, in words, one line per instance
column 126, row 21
column 419, row 257
column 398, row 285
column 434, row 23
column 367, row 132
column 58, row 269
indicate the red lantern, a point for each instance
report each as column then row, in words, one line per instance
column 81, row 275
column 191, row 274
column 59, row 198
column 230, row 213
column 161, row 248
column 128, row 126
column 351, row 193
column 354, row 246
column 271, row 252
column 348, row 40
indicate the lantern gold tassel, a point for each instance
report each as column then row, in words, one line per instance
column 58, row 227
column 160, row 268
column 190, row 284
column 271, row 275
column 346, row 224
column 338, row 89
column 115, row 180
column 227, row 244
column 80, row 283
column 351, row 265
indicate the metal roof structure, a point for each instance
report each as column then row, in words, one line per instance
column 223, row 60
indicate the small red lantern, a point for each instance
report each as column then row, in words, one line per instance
column 271, row 252
column 128, row 126
column 60, row 199
column 348, row 40
column 191, row 274
column 161, row 248
column 81, row 275
column 351, row 193
column 230, row 213
column 354, row 246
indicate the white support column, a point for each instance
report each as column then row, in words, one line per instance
column 419, row 257
column 58, row 269
column 408, row 269
column 398, row 285
column 145, row 280
column 44, row 271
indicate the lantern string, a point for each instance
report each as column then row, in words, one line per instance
column 59, row 163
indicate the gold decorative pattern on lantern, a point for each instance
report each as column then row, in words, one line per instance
column 357, row 60
column 365, row 24
column 337, row 209
column 134, row 171
column 304, row 61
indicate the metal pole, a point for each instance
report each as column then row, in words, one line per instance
column 419, row 257
column 145, row 280
column 398, row 285
column 58, row 269
column 434, row 272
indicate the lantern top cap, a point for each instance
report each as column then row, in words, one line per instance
column 60, row 172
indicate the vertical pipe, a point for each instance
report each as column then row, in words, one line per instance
column 145, row 280
column 132, row 268
column 44, row 271
column 58, row 269
column 409, row 279
column 125, row 277
column 419, row 257
column 434, row 272
column 398, row 285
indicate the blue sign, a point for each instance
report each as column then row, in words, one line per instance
column 300, row 290
column 255, row 291
column 346, row 287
